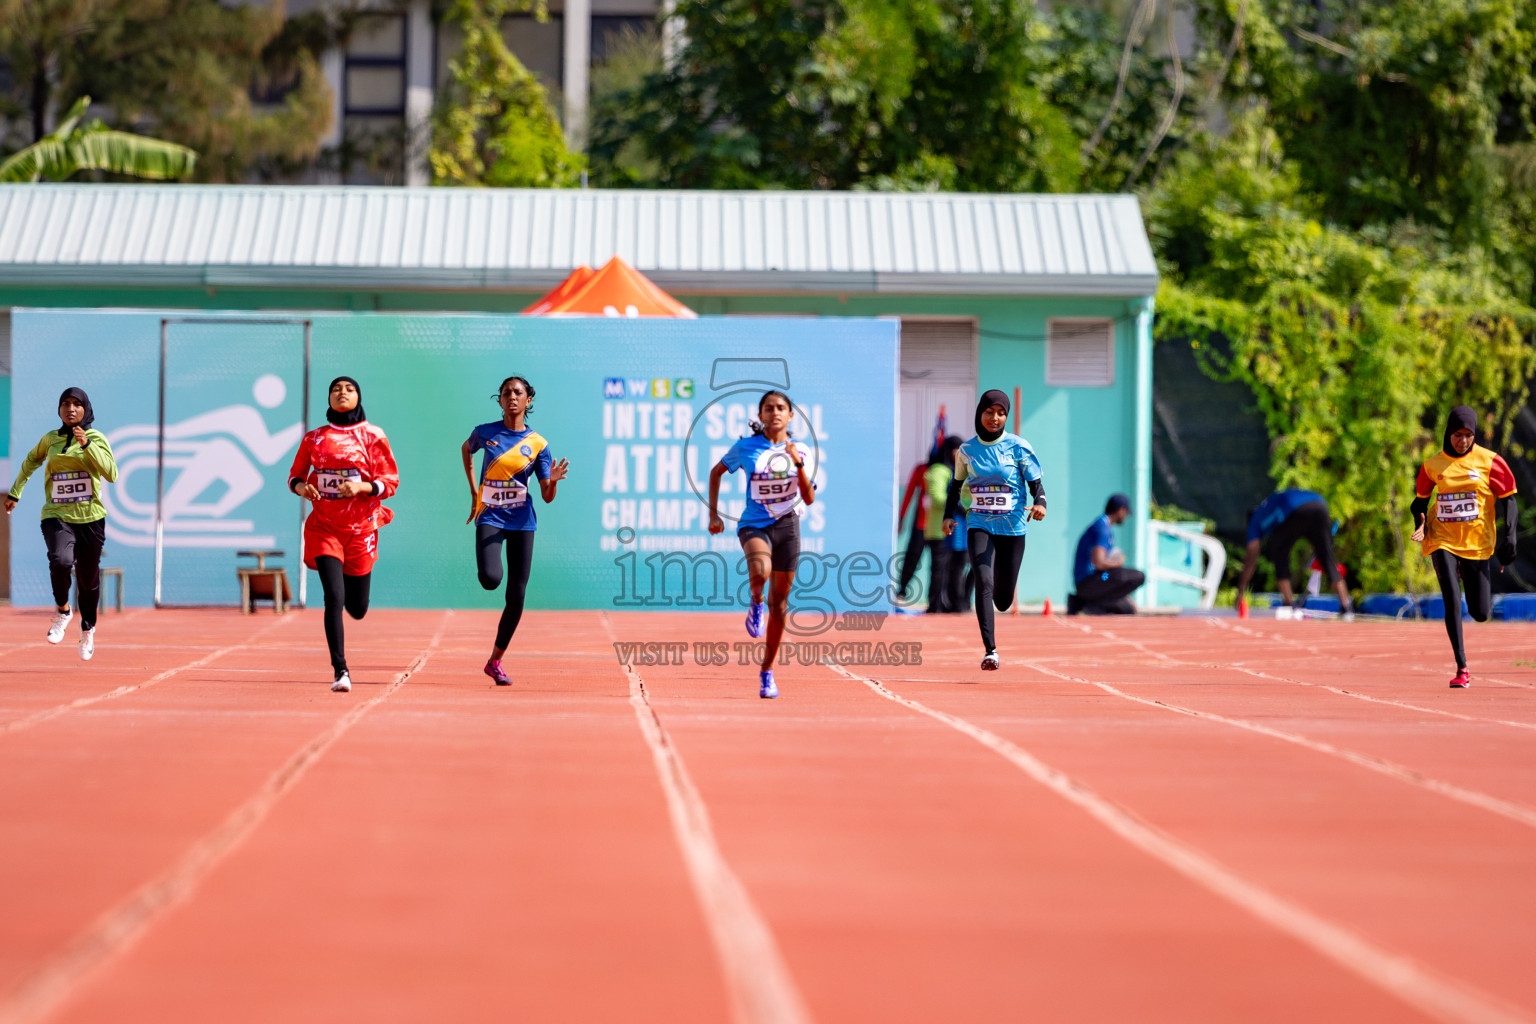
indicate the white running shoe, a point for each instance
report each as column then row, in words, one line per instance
column 991, row 661
column 343, row 684
column 58, row 625
column 87, row 644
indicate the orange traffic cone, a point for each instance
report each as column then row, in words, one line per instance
column 1047, row 610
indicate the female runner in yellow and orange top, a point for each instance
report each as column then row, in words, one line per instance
column 1471, row 516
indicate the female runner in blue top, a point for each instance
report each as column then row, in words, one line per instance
column 499, row 504
column 777, row 486
column 997, row 469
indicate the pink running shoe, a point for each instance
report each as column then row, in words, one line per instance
column 1462, row 681
column 493, row 669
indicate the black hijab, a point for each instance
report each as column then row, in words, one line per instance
column 85, row 422
column 988, row 400
column 345, row 419
column 1461, row 418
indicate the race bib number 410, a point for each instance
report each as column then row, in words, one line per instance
column 992, row 499
column 71, row 488
column 772, row 489
column 1460, row 507
column 503, row 494
column 328, row 481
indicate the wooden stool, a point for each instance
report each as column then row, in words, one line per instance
column 263, row 583
column 116, row 574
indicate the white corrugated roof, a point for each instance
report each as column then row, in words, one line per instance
column 528, row 239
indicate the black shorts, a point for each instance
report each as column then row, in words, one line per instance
column 783, row 537
column 1312, row 523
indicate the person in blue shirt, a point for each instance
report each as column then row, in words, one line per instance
column 1282, row 519
column 1104, row 584
column 1002, row 477
column 500, row 507
column 778, row 486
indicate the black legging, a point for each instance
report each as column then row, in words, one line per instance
column 1453, row 572
column 76, row 547
column 519, row 543
column 911, row 557
column 341, row 592
column 938, row 575
column 995, row 567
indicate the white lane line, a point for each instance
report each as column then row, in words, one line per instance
column 1313, row 650
column 1513, row 811
column 760, row 987
column 1239, row 667
column 1445, row 999
column 38, row 717
column 66, row 972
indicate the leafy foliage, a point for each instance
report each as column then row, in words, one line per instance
column 493, row 124
column 180, row 70
column 73, row 147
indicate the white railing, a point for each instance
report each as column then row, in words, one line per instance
column 1215, row 563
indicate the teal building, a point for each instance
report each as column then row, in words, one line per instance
column 1047, row 295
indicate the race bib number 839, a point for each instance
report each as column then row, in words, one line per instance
column 992, row 499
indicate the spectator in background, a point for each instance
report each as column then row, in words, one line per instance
column 1104, row 584
column 1282, row 519
column 941, row 470
column 917, row 537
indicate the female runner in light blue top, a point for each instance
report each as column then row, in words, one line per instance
column 1002, row 475
column 778, row 486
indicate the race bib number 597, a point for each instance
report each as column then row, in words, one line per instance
column 771, row 489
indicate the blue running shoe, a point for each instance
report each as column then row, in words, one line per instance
column 755, row 615
column 769, row 688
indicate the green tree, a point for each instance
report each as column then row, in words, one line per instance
column 493, row 124
column 843, row 94
column 73, row 147
column 180, row 70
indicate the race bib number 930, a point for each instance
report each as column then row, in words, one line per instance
column 71, row 488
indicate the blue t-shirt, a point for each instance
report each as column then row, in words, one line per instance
column 996, row 478
column 512, row 459
column 1098, row 535
column 1276, row 509
column 773, row 489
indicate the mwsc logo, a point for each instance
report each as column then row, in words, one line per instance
column 654, row 387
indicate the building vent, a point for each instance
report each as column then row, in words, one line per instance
column 1080, row 353
column 939, row 351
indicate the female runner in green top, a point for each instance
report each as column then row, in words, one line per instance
column 74, row 519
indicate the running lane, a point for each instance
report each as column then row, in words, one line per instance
column 1364, row 813
column 464, row 853
column 911, row 874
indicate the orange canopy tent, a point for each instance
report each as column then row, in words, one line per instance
column 618, row 289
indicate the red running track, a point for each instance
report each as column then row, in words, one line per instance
column 1147, row 820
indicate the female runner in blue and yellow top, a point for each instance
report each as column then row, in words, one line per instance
column 500, row 507
column 999, row 471
column 777, row 487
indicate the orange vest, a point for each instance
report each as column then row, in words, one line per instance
column 1461, row 518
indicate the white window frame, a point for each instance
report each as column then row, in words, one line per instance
column 1067, row 323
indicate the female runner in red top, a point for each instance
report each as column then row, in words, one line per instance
column 345, row 469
